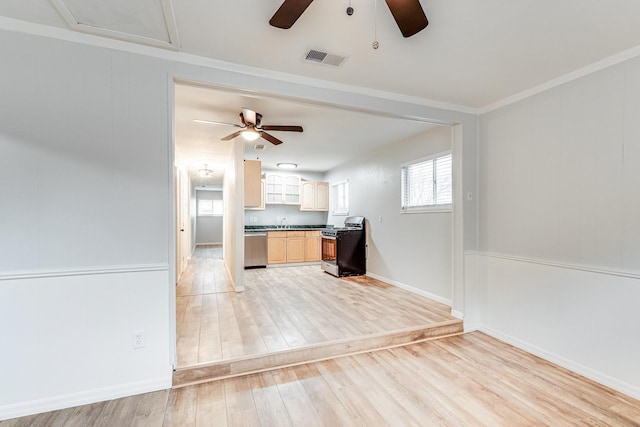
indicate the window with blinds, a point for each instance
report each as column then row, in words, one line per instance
column 427, row 184
column 340, row 192
column 208, row 207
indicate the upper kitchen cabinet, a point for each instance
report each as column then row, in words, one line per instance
column 263, row 190
column 283, row 189
column 314, row 196
column 252, row 185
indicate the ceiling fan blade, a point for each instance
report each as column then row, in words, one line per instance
column 288, row 13
column 282, row 128
column 272, row 139
column 408, row 15
column 213, row 122
column 233, row 135
column 248, row 116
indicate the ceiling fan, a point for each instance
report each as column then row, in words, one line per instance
column 252, row 127
column 408, row 15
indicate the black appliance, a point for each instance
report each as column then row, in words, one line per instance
column 344, row 249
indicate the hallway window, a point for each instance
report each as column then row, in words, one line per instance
column 207, row 207
column 426, row 184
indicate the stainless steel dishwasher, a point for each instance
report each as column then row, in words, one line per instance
column 255, row 250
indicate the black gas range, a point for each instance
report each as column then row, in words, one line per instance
column 344, row 248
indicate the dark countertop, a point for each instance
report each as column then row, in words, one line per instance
column 263, row 228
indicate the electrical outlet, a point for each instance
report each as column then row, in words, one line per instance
column 139, row 339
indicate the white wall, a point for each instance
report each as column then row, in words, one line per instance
column 410, row 250
column 233, row 221
column 193, row 209
column 209, row 228
column 559, row 262
column 87, row 195
column 84, row 224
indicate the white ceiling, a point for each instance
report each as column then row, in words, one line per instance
column 473, row 53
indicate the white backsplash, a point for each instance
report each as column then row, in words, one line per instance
column 273, row 215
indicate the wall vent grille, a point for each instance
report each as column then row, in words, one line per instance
column 259, row 147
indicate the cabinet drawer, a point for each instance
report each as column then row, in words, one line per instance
column 312, row 233
column 272, row 234
column 295, row 234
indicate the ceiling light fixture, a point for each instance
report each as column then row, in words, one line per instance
column 287, row 165
column 250, row 134
column 204, row 172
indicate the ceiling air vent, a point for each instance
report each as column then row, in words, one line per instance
column 320, row 57
column 259, row 147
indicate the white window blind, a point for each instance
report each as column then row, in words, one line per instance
column 207, row 207
column 427, row 183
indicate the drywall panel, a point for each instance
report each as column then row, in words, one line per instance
column 583, row 320
column 559, row 178
column 69, row 339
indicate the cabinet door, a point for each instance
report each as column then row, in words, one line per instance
column 252, row 178
column 292, row 190
column 308, row 196
column 312, row 249
column 263, row 195
column 295, row 249
column 276, row 250
column 275, row 189
column 322, row 196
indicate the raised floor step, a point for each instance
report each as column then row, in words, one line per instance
column 257, row 363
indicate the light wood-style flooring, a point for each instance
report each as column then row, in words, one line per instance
column 285, row 308
column 465, row 380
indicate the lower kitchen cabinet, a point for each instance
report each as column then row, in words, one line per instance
column 312, row 246
column 276, row 247
column 295, row 246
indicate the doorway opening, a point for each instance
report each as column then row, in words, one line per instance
column 227, row 101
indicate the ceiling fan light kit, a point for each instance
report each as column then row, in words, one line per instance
column 250, row 134
column 252, row 127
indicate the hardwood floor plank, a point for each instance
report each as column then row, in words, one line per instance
column 211, row 405
column 380, row 398
column 150, row 411
column 352, row 399
column 269, row 404
column 241, row 408
column 86, row 415
column 188, row 331
column 299, row 406
column 210, row 341
column 327, row 404
column 181, row 408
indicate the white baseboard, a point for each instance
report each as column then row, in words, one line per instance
column 83, row 398
column 409, row 288
column 571, row 365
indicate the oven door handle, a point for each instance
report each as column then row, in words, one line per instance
column 329, row 237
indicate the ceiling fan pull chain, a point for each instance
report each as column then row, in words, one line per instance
column 375, row 43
